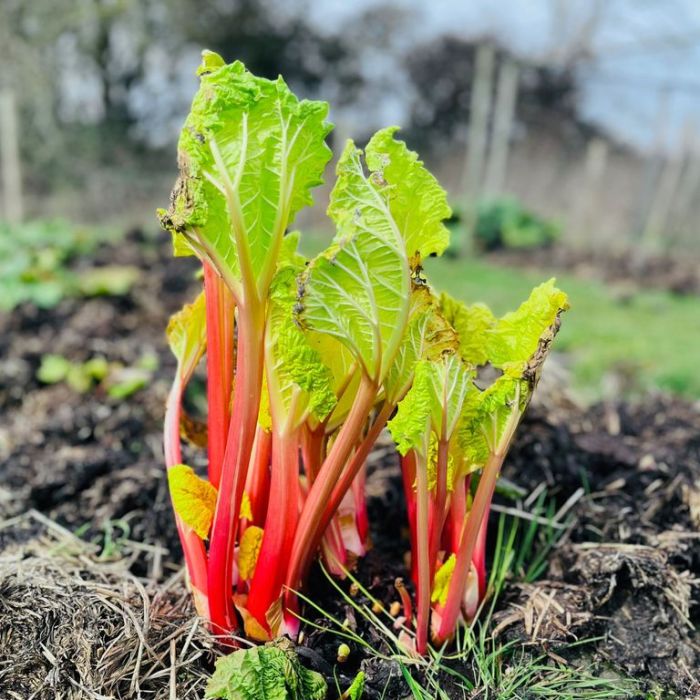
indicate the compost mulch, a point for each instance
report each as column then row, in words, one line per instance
column 104, row 612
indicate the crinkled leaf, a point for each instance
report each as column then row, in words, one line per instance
column 410, row 427
column 250, row 152
column 248, row 550
column 187, row 335
column 344, row 369
column 296, row 375
column 428, row 336
column 417, row 202
column 472, row 324
column 289, row 252
column 522, row 334
column 269, row 672
column 358, row 290
column 194, row 498
column 450, row 383
column 486, row 416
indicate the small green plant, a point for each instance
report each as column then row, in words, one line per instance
column 307, row 360
column 118, row 381
column 35, row 264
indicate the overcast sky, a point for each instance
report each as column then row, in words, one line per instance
column 646, row 52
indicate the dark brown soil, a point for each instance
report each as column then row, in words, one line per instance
column 626, row 572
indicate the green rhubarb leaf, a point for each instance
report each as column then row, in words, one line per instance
column 297, row 380
column 410, row 427
column 417, row 202
column 434, row 404
column 269, row 672
column 358, row 290
column 250, row 152
column 194, row 498
column 472, row 324
column 450, row 383
column 289, row 252
column 518, row 344
column 523, row 336
column 187, row 335
column 428, row 336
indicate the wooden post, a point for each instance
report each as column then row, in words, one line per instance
column 587, row 198
column 504, row 114
column 477, row 137
column 685, row 211
column 652, row 171
column 662, row 202
column 12, row 209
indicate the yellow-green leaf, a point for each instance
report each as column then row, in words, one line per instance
column 441, row 583
column 194, row 498
column 249, row 550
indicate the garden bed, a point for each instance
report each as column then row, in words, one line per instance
column 627, row 476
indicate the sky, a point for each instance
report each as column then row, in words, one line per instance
column 641, row 82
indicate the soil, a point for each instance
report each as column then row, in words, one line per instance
column 625, row 572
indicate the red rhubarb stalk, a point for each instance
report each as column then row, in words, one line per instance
column 241, row 435
column 423, row 561
column 258, row 481
column 470, row 532
column 408, row 474
column 192, row 544
column 220, row 314
column 280, row 525
column 316, row 513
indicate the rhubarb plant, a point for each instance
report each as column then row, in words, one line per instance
column 307, row 362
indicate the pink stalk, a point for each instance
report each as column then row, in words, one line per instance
column 438, row 501
column 423, row 561
column 220, row 315
column 470, row 533
column 359, row 458
column 317, row 511
column 360, row 500
column 258, row 481
column 192, row 545
column 458, row 512
column 479, row 556
column 241, row 435
column 408, row 474
column 332, row 546
column 280, row 525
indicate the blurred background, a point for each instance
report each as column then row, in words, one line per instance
column 567, row 133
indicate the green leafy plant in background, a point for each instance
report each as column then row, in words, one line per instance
column 506, row 223
column 308, row 360
column 35, row 264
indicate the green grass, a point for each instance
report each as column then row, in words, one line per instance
column 649, row 339
column 613, row 342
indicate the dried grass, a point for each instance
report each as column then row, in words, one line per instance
column 72, row 627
